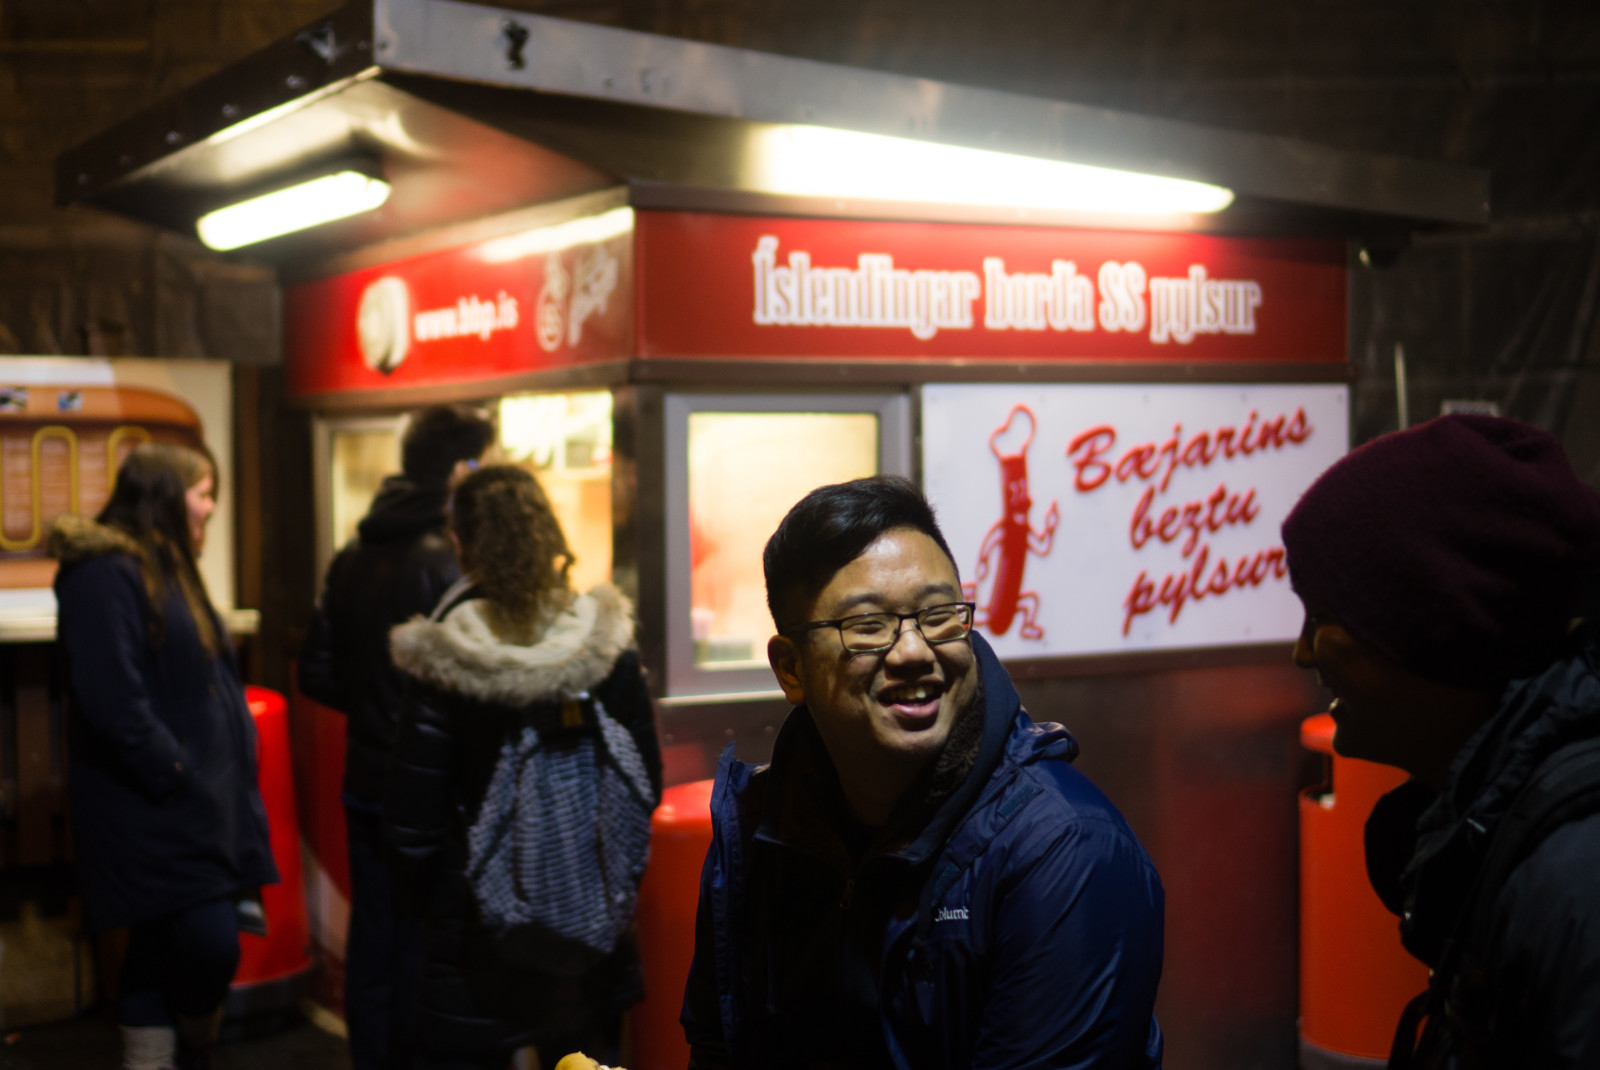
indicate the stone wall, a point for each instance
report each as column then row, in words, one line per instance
column 78, row 281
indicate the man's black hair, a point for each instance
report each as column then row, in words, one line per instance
column 829, row 528
column 441, row 436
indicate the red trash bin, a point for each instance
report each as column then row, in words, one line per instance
column 680, row 834
column 273, row 969
column 1355, row 977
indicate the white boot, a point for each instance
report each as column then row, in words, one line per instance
column 149, row 1047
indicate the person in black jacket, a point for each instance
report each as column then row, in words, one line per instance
column 1443, row 572
column 170, row 830
column 396, row 568
column 511, row 644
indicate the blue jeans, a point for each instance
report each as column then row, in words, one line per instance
column 181, row 964
column 383, row 952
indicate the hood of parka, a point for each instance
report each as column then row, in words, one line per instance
column 77, row 538
column 463, row 655
column 403, row 509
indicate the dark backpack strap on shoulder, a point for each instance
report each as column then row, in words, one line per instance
column 1403, row 1052
column 1564, row 788
column 462, row 591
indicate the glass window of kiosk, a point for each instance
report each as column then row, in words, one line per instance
column 563, row 439
column 735, row 465
column 351, row 455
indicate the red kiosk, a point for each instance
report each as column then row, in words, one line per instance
column 645, row 255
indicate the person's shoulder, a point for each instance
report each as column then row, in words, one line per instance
column 347, row 558
column 432, row 554
column 626, row 681
column 1558, row 882
column 735, row 776
column 1043, row 754
column 1056, row 845
column 424, row 544
column 92, row 555
column 739, row 790
column 98, row 591
column 1544, row 948
column 95, row 586
column 430, row 543
column 423, row 567
column 1555, row 827
column 78, row 540
column 113, row 562
column 1047, row 800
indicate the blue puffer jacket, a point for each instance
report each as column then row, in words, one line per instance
column 1020, row 927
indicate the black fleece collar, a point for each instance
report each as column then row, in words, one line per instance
column 806, row 809
column 1537, row 716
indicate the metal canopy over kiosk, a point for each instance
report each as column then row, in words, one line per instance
column 472, row 110
column 1113, row 411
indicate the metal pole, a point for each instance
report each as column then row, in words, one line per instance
column 1400, row 385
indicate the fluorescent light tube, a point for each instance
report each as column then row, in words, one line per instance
column 284, row 211
column 815, row 161
column 547, row 239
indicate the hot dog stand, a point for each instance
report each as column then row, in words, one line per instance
column 693, row 282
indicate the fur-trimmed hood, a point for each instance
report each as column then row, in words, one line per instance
column 76, row 538
column 461, row 654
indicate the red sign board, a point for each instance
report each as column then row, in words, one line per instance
column 745, row 286
column 479, row 312
column 725, row 286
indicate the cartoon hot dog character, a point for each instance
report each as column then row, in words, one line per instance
column 997, row 581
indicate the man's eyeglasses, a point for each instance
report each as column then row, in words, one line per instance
column 875, row 633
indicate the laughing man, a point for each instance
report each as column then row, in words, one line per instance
column 920, row 878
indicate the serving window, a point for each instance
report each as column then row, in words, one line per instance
column 565, row 441
column 351, row 457
column 735, row 466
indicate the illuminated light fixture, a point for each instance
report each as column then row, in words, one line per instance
column 284, row 211
column 548, row 239
column 816, row 161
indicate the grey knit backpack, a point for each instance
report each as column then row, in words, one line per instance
column 560, row 843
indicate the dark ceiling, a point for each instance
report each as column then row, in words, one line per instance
column 1509, row 85
column 1514, row 87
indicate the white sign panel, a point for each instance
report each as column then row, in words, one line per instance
column 1091, row 519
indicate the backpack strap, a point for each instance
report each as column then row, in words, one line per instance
column 464, row 589
column 1564, row 788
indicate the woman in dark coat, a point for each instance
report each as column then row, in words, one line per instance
column 509, row 644
column 170, row 830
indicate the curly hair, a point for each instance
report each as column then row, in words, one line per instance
column 513, row 544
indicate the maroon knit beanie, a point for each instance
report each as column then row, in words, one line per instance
column 1460, row 548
